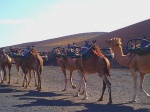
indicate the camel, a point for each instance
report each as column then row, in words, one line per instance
column 44, row 55
column 66, row 64
column 18, row 60
column 136, row 63
column 5, row 61
column 96, row 62
column 33, row 62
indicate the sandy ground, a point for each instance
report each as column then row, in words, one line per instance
column 14, row 98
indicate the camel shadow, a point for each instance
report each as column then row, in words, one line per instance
column 41, row 99
column 35, row 98
column 9, row 89
column 5, row 89
column 94, row 107
column 32, row 93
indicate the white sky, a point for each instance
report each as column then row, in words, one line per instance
column 66, row 17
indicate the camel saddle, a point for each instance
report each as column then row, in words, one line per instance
column 14, row 55
column 80, row 52
column 58, row 52
column 138, row 46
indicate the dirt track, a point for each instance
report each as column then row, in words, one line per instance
column 14, row 98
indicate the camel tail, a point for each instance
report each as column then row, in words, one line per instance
column 98, row 52
column 107, row 66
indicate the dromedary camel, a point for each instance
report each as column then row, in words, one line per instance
column 5, row 61
column 93, row 61
column 66, row 64
column 136, row 63
column 33, row 62
column 15, row 53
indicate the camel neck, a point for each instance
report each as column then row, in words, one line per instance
column 119, row 56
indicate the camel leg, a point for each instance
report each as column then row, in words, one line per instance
column 39, row 82
column 84, row 81
column 25, row 80
column 80, row 86
column 80, row 83
column 73, row 85
column 65, row 78
column 25, row 84
column 29, row 77
column 9, row 69
column 106, row 81
column 84, row 88
column 35, row 78
column 4, row 78
column 1, row 75
column 141, row 84
column 103, row 90
column 135, row 85
column 18, row 73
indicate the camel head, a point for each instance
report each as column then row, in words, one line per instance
column 114, row 42
column 58, row 52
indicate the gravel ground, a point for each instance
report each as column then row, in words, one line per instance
column 15, row 98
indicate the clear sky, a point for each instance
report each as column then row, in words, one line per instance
column 24, row 21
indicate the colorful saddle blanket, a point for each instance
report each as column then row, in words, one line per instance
column 22, row 57
column 84, row 52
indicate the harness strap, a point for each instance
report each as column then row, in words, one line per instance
column 130, row 58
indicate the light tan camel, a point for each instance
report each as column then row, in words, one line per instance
column 33, row 62
column 136, row 63
column 66, row 64
column 5, row 61
column 18, row 61
column 95, row 63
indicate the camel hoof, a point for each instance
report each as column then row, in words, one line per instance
column 110, row 102
column 100, row 99
column 132, row 101
column 39, row 90
column 17, row 82
column 26, row 87
column 77, row 95
column 85, row 98
column 82, row 92
column 74, row 86
column 64, row 89
column 148, row 96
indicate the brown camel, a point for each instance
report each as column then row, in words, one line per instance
column 32, row 62
column 65, row 64
column 136, row 63
column 5, row 61
column 96, row 62
column 18, row 60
